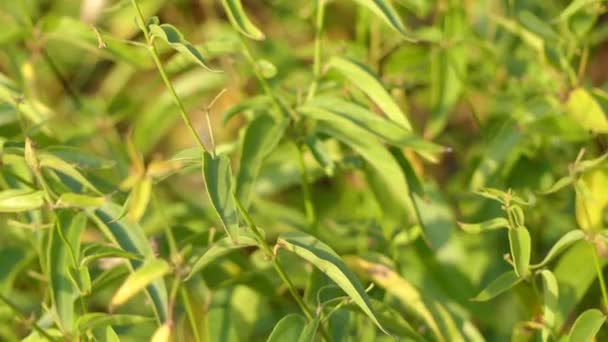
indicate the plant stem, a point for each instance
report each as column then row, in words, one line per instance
column 277, row 266
column 311, row 218
column 600, row 276
column 190, row 313
column 165, row 78
column 317, row 58
column 18, row 312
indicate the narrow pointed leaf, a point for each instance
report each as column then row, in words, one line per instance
column 365, row 79
column 95, row 252
column 385, row 11
column 139, row 198
column 336, row 110
column 519, row 241
column 171, row 35
column 585, row 109
column 573, row 7
column 327, row 261
column 561, row 245
column 130, row 237
column 586, row 326
column 560, row 184
column 310, row 330
column 288, row 328
column 221, row 248
column 50, row 161
column 238, row 18
column 503, row 283
column 550, row 302
column 261, row 137
column 493, row 224
column 19, row 200
column 138, row 280
column 73, row 200
column 218, row 180
column 97, row 320
column 318, row 149
column 63, row 251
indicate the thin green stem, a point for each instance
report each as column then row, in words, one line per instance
column 249, row 56
column 165, row 78
column 600, row 276
column 311, row 218
column 190, row 313
column 18, row 312
column 277, row 266
column 173, row 249
column 317, row 58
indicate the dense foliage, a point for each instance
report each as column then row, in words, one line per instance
column 282, row 170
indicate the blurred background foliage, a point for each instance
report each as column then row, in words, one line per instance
column 514, row 88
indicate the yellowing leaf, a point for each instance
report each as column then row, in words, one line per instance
column 138, row 280
column 162, row 334
column 582, row 107
column 591, row 199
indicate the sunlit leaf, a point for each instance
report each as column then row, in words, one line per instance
column 19, row 200
column 585, row 109
column 550, row 302
column 73, row 200
column 586, row 326
column 365, row 79
column 139, row 279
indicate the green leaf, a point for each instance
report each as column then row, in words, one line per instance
column 171, row 35
column 413, row 181
column 131, row 238
column 218, row 180
column 63, row 251
column 585, row 109
column 79, row 158
column 327, row 261
column 319, row 152
column 310, row 330
column 382, row 162
column 538, row 26
column 240, row 21
column 139, row 199
column 586, row 326
column 499, row 285
column 550, row 302
column 409, row 296
column 493, row 224
column 561, row 245
column 96, row 251
column 519, row 241
column 96, row 320
column 20, row 200
column 448, row 71
column 145, row 275
column 221, row 248
column 365, row 79
column 338, row 111
column 288, row 328
column 51, row 161
column 385, row 11
column 261, row 137
column 73, row 200
column 560, row 184
column 573, row 7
